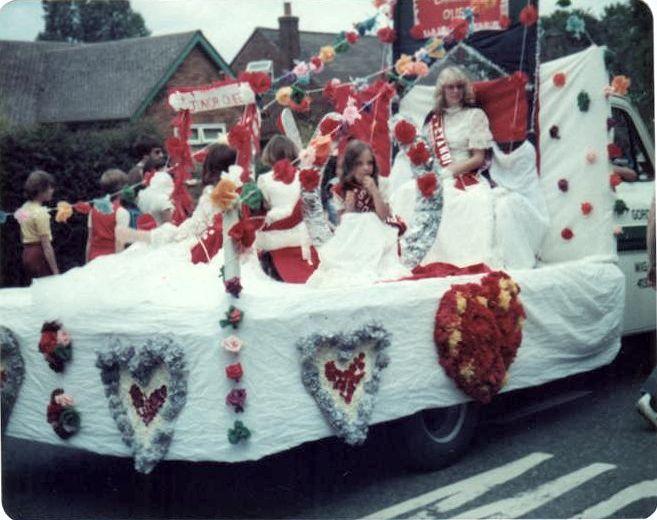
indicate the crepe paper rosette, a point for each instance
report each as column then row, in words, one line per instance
column 233, row 317
column 235, row 372
column 238, row 433
column 62, row 415
column 56, row 345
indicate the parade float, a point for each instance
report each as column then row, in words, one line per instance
column 147, row 355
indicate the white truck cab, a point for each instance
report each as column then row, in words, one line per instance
column 632, row 207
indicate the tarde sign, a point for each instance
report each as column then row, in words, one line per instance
column 433, row 17
column 213, row 97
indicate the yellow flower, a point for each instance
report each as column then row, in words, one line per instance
column 283, row 96
column 327, row 54
column 64, row 211
column 461, row 303
column 403, row 63
column 224, row 194
column 436, row 48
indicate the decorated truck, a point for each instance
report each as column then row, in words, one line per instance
column 149, row 355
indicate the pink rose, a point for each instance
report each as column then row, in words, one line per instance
column 232, row 344
column 64, row 400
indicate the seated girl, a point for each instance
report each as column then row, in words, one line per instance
column 101, row 233
column 364, row 248
column 283, row 243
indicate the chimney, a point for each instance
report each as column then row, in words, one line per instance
column 288, row 36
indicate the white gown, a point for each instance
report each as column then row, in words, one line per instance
column 363, row 250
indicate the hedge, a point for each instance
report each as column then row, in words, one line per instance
column 76, row 158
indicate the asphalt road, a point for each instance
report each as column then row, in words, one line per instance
column 593, row 456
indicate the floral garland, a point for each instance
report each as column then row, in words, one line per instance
column 478, row 329
column 145, row 419
column 62, row 415
column 56, row 346
column 345, row 395
column 12, row 372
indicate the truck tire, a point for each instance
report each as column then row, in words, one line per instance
column 434, row 438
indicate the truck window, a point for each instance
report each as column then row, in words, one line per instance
column 634, row 153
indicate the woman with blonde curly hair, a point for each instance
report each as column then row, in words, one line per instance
column 459, row 132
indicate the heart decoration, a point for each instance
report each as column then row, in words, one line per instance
column 342, row 372
column 12, row 372
column 478, row 331
column 146, row 388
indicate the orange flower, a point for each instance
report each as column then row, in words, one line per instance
column 403, row 63
column 620, row 85
column 224, row 194
column 417, row 68
column 64, row 211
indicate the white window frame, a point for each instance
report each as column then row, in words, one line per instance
column 201, row 127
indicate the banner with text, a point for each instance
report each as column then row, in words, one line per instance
column 214, row 97
column 433, row 17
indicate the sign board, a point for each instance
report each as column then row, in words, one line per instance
column 213, row 97
column 433, row 17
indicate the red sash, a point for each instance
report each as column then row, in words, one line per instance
column 444, row 156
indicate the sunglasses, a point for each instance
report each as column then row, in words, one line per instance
column 457, row 86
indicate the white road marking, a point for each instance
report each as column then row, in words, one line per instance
column 523, row 503
column 459, row 493
column 607, row 508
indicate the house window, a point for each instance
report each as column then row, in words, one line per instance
column 206, row 133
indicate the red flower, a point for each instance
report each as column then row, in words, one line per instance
column 82, row 207
column 528, row 15
column 309, row 179
column 505, row 21
column 328, row 126
column 352, row 37
column 386, row 35
column 330, row 87
column 614, row 180
column 614, row 151
column 284, row 171
column 559, row 79
column 234, row 371
column 244, row 232
column 427, row 184
column 405, row 132
column 316, row 62
column 260, row 82
column 587, row 207
column 418, row 154
column 304, row 106
column 417, row 33
column 567, row 233
column 233, row 286
column 459, row 28
column 563, row 185
column 48, row 342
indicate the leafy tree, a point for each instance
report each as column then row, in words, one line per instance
column 626, row 31
column 90, row 21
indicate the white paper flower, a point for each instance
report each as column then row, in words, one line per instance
column 232, row 344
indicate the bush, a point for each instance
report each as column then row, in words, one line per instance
column 76, row 158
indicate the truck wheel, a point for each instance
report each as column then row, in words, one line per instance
column 437, row 437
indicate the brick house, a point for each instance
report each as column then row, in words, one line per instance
column 287, row 43
column 110, row 82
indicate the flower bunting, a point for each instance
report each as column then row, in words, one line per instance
column 64, row 212
column 260, row 82
column 386, row 35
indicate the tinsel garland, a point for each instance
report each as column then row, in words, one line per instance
column 122, row 359
column 12, row 372
column 349, row 423
column 314, row 217
column 415, row 243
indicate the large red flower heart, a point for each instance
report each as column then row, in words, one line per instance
column 147, row 408
column 477, row 332
column 346, row 381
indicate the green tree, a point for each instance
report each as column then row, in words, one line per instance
column 90, row 21
column 626, row 31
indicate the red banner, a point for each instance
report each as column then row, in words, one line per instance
column 433, row 17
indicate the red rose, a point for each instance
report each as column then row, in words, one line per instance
column 418, row 154
column 284, row 171
column 235, row 315
column 459, row 29
column 386, row 35
column 48, row 342
column 614, row 151
column 352, row 37
column 528, row 15
column 234, row 371
column 309, row 179
column 614, row 180
column 586, row 208
column 405, row 132
column 260, row 82
column 505, row 21
column 559, row 79
column 328, row 126
column 567, row 233
column 427, row 184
